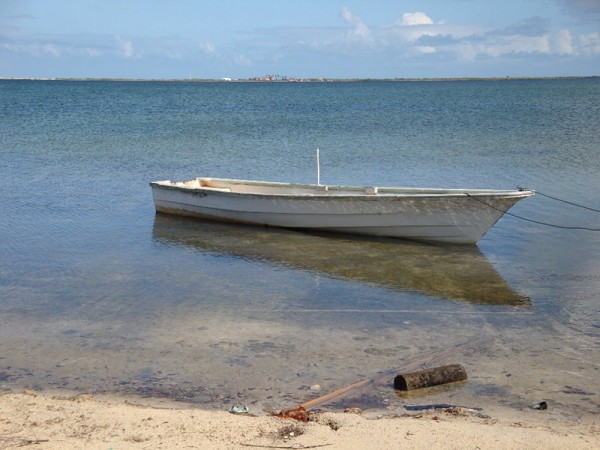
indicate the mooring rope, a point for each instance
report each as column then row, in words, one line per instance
column 536, row 221
column 561, row 200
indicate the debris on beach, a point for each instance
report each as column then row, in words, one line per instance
column 299, row 413
column 540, row 405
column 430, row 377
column 443, row 406
column 289, row 432
column 574, row 390
column 237, row 409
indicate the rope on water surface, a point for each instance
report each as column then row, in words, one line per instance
column 537, row 221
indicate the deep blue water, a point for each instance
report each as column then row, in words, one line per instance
column 89, row 277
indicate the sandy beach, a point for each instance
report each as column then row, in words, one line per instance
column 45, row 421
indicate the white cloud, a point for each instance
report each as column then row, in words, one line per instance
column 510, row 45
column 589, row 44
column 347, row 15
column 51, row 50
column 33, row 49
column 467, row 51
column 561, row 43
column 125, row 48
column 54, row 50
column 416, row 18
column 92, row 52
column 417, row 34
column 207, row 47
column 426, row 49
column 412, row 36
column 360, row 32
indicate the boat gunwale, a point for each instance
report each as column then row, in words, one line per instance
column 353, row 192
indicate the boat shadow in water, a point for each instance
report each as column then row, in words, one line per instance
column 452, row 272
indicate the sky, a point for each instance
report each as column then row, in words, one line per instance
column 180, row 39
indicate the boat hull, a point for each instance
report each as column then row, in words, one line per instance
column 460, row 216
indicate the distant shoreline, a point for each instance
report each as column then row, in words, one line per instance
column 293, row 80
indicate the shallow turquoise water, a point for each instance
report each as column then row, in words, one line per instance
column 99, row 294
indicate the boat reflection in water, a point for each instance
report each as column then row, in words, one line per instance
column 460, row 273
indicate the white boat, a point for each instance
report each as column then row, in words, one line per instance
column 442, row 215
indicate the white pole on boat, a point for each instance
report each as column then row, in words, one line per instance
column 318, row 168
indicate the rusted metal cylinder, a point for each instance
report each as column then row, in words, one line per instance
column 430, row 377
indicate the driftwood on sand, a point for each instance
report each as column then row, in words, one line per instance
column 301, row 411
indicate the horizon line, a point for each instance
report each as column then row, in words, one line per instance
column 295, row 79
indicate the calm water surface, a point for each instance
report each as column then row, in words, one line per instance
column 99, row 294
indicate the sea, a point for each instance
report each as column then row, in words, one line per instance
column 101, row 295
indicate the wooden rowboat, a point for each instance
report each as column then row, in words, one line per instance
column 442, row 215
